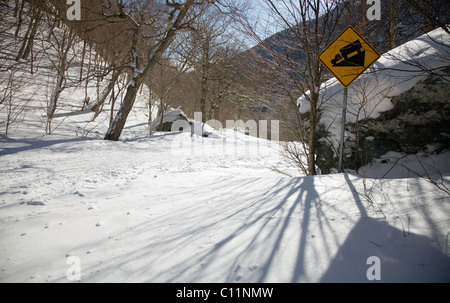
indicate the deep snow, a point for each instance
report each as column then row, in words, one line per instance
column 177, row 207
column 169, row 209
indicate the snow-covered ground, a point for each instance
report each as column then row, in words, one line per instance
column 176, row 208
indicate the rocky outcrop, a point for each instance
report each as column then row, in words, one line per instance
column 419, row 122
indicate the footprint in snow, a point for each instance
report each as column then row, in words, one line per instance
column 34, row 203
column 253, row 268
column 78, row 194
column 237, row 277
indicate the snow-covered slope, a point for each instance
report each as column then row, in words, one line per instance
column 176, row 208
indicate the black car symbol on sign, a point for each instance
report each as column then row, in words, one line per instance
column 357, row 59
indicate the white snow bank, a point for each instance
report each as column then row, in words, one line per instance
column 394, row 165
column 395, row 72
column 133, row 212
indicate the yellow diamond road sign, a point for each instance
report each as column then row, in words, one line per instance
column 348, row 56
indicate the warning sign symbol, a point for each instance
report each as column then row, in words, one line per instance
column 348, row 56
column 344, row 59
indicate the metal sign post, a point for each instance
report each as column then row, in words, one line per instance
column 344, row 117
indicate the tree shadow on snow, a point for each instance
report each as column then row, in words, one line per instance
column 247, row 252
column 9, row 146
column 404, row 257
column 268, row 233
column 410, row 258
column 275, row 236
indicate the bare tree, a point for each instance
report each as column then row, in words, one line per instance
column 61, row 54
column 309, row 27
column 434, row 13
column 14, row 107
column 179, row 16
column 18, row 13
column 29, row 38
column 164, row 83
column 208, row 50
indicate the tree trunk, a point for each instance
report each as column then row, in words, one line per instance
column 204, row 81
column 115, row 130
column 364, row 19
column 204, row 84
column 392, row 25
column 24, row 42
column 83, row 55
column 67, row 41
column 28, row 40
column 37, row 20
column 20, row 19
column 312, row 135
column 104, row 94
column 51, row 109
column 150, row 113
